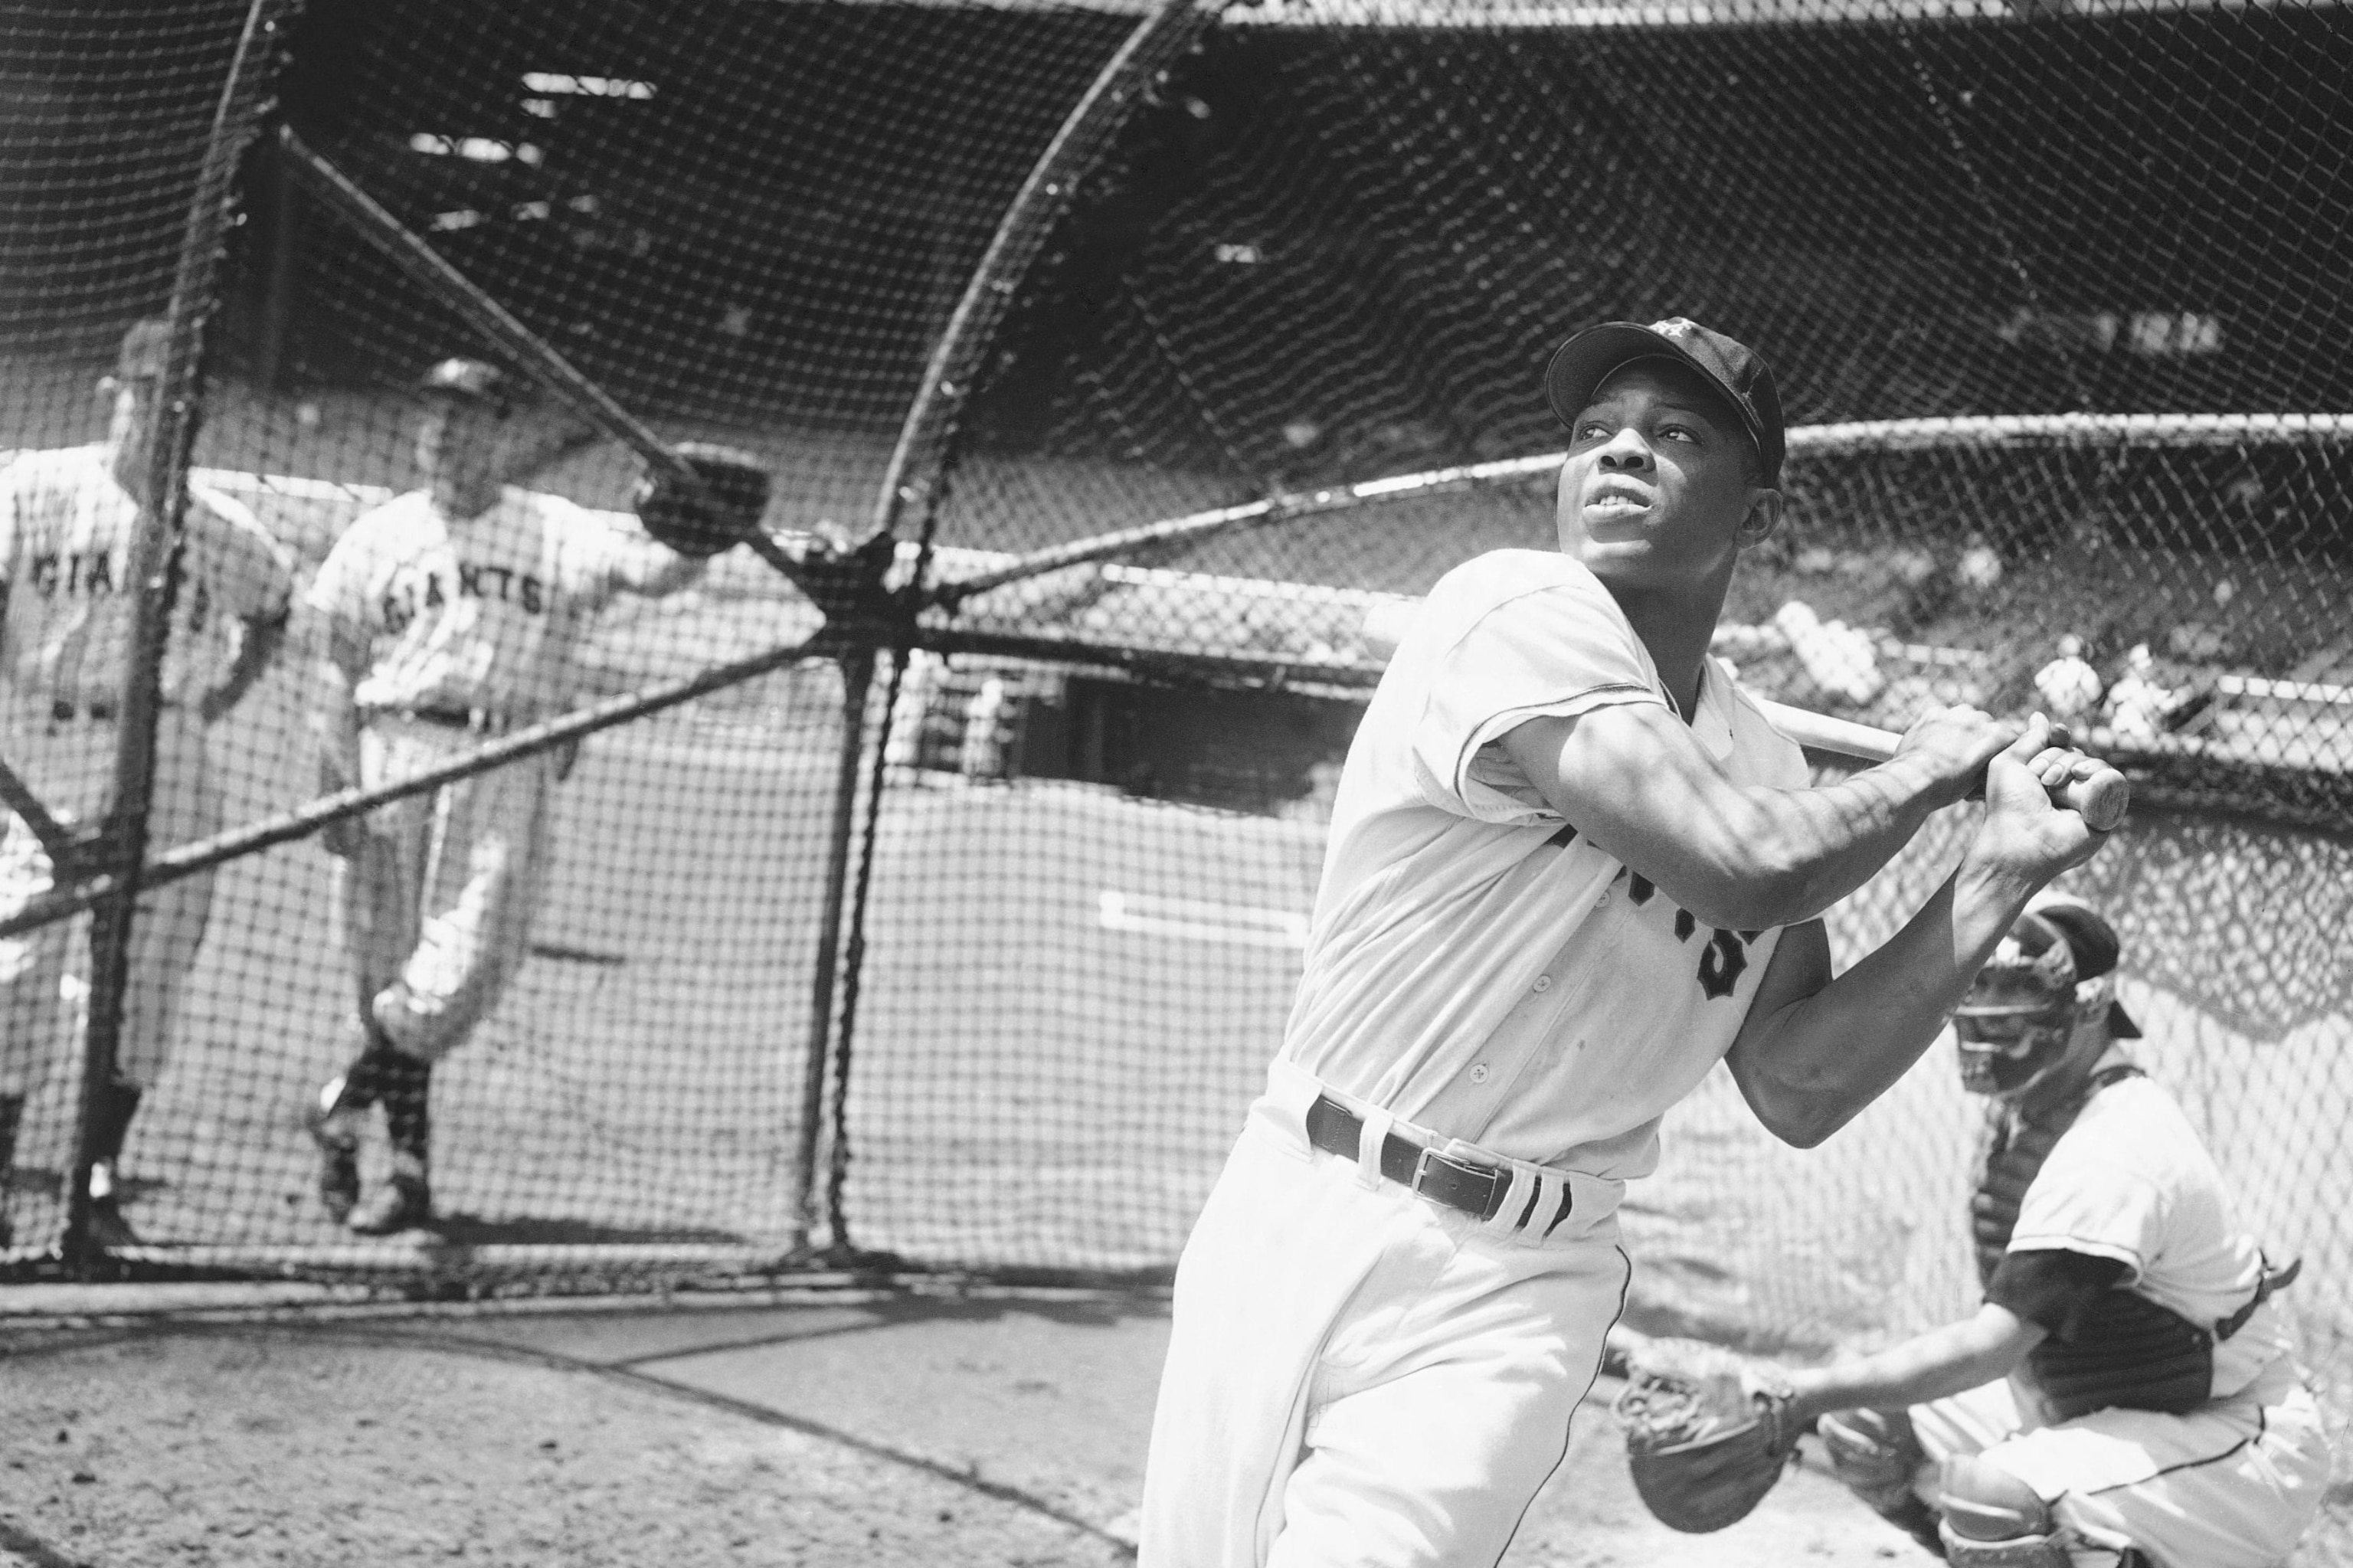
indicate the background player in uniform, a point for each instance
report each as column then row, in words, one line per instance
column 1570, row 866
column 66, row 521
column 2128, row 1385
column 448, row 614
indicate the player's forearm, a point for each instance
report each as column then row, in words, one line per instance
column 334, row 725
column 1808, row 1066
column 1737, row 856
column 1831, row 841
column 1943, row 1361
column 258, row 642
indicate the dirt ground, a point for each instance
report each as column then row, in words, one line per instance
column 960, row 1432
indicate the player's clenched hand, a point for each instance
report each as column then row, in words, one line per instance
column 342, row 837
column 1957, row 743
column 2025, row 832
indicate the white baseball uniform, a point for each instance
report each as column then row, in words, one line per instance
column 2231, row 1484
column 1358, row 1374
column 469, row 627
column 66, row 533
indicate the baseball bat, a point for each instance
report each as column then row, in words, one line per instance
column 425, row 266
column 2102, row 800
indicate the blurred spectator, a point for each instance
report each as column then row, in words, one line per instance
column 2137, row 705
column 1843, row 660
column 2069, row 686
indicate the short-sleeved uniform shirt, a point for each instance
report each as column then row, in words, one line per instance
column 66, row 531
column 2130, row 1183
column 478, row 613
column 1474, row 965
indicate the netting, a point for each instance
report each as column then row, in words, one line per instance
column 1164, row 365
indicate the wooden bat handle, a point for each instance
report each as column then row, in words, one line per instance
column 2102, row 799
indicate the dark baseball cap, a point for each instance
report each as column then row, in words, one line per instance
column 1582, row 364
column 2058, row 943
column 477, row 380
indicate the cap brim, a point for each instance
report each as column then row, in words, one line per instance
column 1580, row 365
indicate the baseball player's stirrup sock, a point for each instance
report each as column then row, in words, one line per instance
column 405, row 1085
column 116, row 1108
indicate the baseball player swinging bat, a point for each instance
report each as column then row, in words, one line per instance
column 2102, row 799
column 423, row 265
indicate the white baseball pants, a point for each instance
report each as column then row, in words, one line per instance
column 1358, row 1377
column 2233, row 1484
column 69, row 765
column 437, row 903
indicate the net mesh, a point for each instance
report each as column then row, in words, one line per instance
column 975, row 965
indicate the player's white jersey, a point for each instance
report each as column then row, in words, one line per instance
column 473, row 614
column 2130, row 1180
column 66, row 533
column 1474, row 965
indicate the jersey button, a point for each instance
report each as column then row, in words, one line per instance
column 1478, row 1073
column 1544, row 984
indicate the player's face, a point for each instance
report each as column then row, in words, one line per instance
column 2005, row 1054
column 1658, row 489
column 457, row 446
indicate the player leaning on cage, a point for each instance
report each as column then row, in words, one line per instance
column 67, row 518
column 447, row 616
column 2128, row 1395
column 1570, row 867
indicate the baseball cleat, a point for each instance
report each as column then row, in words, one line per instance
column 331, row 1128
column 108, row 1228
column 402, row 1203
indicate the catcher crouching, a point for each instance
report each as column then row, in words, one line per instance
column 2127, row 1396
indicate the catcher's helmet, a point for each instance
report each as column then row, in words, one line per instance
column 475, row 380
column 2055, row 966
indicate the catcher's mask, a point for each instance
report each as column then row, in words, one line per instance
column 2020, row 1021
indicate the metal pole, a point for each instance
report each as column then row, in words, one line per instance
column 153, row 574
column 1157, row 40
column 857, row 681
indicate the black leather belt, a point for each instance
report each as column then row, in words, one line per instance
column 453, row 718
column 1457, row 1183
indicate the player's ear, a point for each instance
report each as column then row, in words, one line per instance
column 1764, row 516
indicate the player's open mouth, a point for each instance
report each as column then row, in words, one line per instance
column 1616, row 501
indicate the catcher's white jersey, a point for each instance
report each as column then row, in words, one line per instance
column 1475, row 966
column 66, row 531
column 2231, row 1484
column 474, row 613
column 2130, row 1180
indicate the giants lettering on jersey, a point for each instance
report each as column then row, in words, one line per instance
column 87, row 574
column 1723, row 957
column 413, row 592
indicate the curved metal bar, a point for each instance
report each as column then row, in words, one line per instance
column 1157, row 40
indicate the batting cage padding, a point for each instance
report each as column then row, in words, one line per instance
column 1179, row 350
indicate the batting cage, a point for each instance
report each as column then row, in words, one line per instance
column 919, row 883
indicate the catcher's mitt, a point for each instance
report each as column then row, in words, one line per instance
column 1707, row 1432
column 735, row 495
